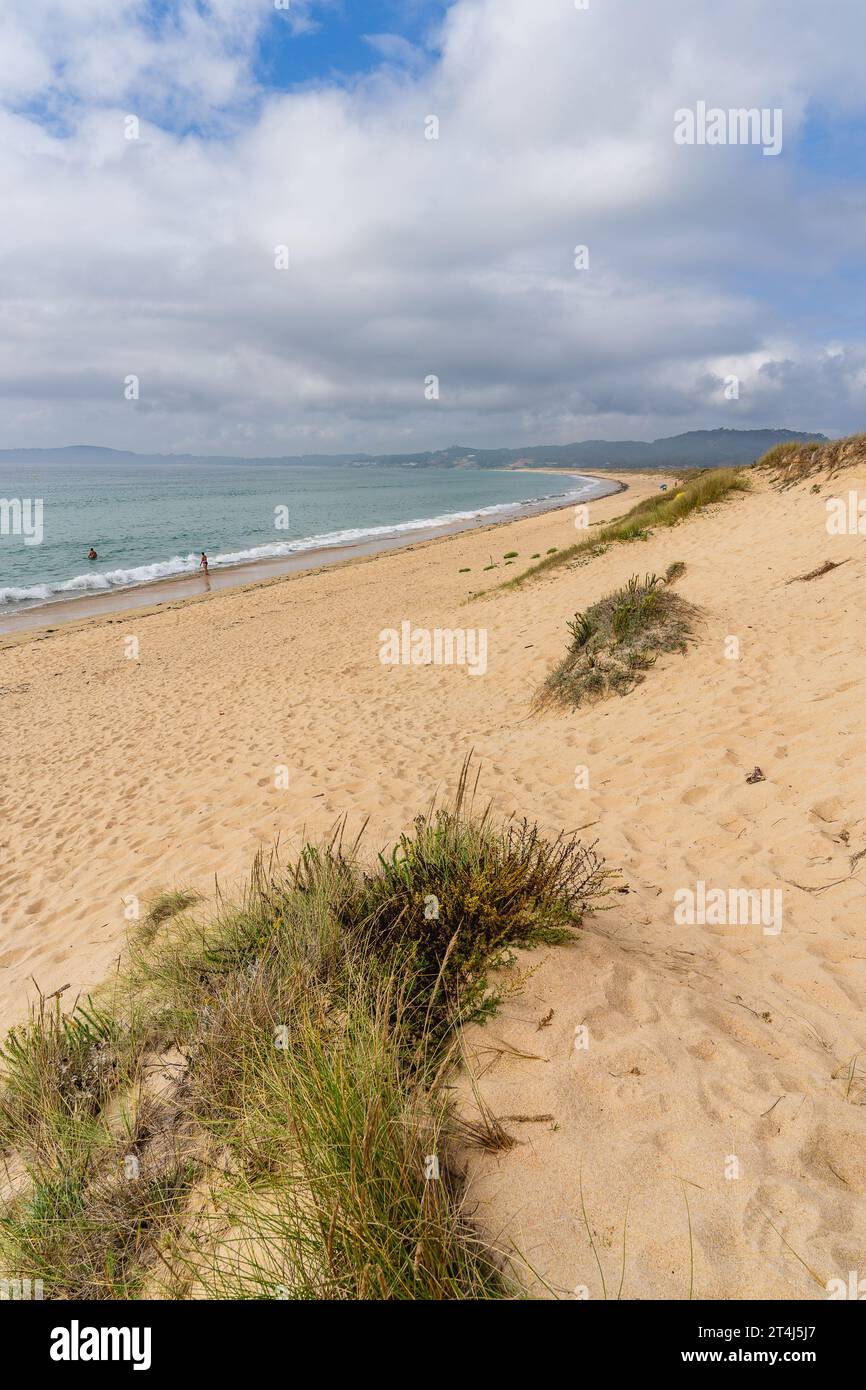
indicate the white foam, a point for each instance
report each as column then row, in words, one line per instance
column 95, row 582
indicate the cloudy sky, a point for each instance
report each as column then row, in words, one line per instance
column 154, row 154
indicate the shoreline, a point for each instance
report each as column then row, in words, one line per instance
column 189, row 588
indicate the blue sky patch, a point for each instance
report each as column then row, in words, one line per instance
column 339, row 47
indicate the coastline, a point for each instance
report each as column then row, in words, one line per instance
column 264, row 715
column 192, row 587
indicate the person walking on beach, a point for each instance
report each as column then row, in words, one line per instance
column 202, row 564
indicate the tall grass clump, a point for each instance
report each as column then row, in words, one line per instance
column 359, row 1199
column 664, row 509
column 58, row 1071
column 791, row 463
column 614, row 642
column 459, row 892
column 93, row 1238
column 303, row 1145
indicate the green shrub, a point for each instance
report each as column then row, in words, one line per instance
column 457, row 892
column 615, row 642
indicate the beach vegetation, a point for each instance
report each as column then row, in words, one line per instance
column 257, row 1105
column 660, row 510
column 614, row 642
column 165, row 905
column 793, row 462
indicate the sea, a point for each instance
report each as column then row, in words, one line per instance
column 149, row 520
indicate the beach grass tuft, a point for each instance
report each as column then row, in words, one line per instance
column 616, row 640
column 166, row 905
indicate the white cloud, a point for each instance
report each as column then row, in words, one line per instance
column 411, row 256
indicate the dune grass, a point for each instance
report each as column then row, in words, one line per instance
column 617, row 639
column 169, row 904
column 78, row 1224
column 791, row 463
column 165, row 905
column 664, row 509
column 302, row 1146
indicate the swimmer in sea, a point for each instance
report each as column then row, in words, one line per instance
column 92, row 555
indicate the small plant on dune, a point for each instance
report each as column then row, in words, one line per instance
column 616, row 640
column 70, row 1112
column 853, row 1075
column 674, row 572
column 87, row 1239
column 581, row 628
column 586, row 556
column 165, row 906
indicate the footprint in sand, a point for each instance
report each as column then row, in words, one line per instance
column 694, row 796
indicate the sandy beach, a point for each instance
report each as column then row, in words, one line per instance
column 163, row 747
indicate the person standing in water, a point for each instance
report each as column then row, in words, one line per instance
column 92, row 555
column 202, row 564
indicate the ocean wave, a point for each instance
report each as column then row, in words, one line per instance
column 107, row 581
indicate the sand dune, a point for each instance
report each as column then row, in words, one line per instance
column 706, row 1043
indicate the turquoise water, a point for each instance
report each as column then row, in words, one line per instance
column 150, row 521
